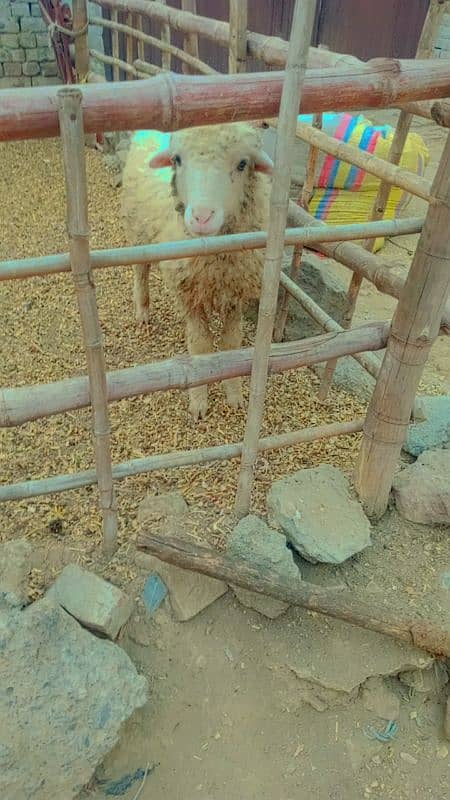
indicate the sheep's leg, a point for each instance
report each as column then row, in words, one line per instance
column 231, row 339
column 141, row 295
column 199, row 340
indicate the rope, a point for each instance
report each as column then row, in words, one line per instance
column 54, row 27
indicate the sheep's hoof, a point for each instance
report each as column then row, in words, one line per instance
column 198, row 406
column 142, row 316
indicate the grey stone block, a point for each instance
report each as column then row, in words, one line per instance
column 41, row 80
column 27, row 40
column 12, row 70
column 9, row 40
column 9, row 25
column 31, row 68
column 33, row 24
column 42, row 40
column 14, row 83
column 49, row 69
column 12, row 54
column 40, row 54
column 1, row 70
column 20, row 9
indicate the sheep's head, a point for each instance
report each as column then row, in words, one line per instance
column 213, row 168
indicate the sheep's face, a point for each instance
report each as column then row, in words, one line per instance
column 213, row 168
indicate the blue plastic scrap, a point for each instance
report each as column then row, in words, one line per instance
column 154, row 592
column 385, row 735
column 119, row 787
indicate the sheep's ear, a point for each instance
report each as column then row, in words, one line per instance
column 160, row 159
column 263, row 163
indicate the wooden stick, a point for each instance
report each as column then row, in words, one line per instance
column 72, row 138
column 139, row 27
column 80, row 23
column 414, row 329
column 129, row 69
column 190, row 41
column 26, row 403
column 144, row 68
column 171, row 101
column 144, row 38
column 440, row 112
column 430, row 30
column 166, row 60
column 301, row 31
column 237, row 58
column 115, row 44
column 303, row 200
column 181, row 458
column 129, row 44
column 338, row 603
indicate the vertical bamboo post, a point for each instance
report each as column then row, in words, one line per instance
column 115, row 44
column 139, row 25
column 72, row 137
column 81, row 27
column 237, row 55
column 129, row 45
column 301, row 31
column 424, row 50
column 303, row 200
column 415, row 327
column 166, row 58
column 190, row 42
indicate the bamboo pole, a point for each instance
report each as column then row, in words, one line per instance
column 340, row 604
column 139, row 26
column 171, row 101
column 303, row 200
column 145, row 38
column 72, row 138
column 26, row 403
column 144, row 68
column 129, row 44
column 301, row 30
column 166, row 60
column 129, row 69
column 80, row 26
column 190, row 41
column 174, row 460
column 115, row 44
column 424, row 50
column 414, row 328
column 440, row 112
column 237, row 55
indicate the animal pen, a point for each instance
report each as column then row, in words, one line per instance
column 167, row 101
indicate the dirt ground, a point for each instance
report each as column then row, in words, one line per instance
column 225, row 719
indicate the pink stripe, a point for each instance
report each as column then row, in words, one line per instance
column 370, row 149
column 324, row 176
column 329, row 202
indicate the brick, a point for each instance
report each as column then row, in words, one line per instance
column 12, row 70
column 31, row 68
column 9, row 25
column 42, row 40
column 27, row 40
column 35, row 10
column 49, row 69
column 9, row 40
column 41, row 80
column 14, row 83
column 95, row 603
column 32, row 24
column 12, row 54
column 20, row 9
column 40, row 54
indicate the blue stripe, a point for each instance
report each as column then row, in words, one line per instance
column 365, row 140
column 345, row 138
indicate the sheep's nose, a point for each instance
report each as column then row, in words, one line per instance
column 203, row 215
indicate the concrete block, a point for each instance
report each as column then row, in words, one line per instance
column 9, row 39
column 12, row 54
column 49, row 69
column 40, row 54
column 95, row 603
column 9, row 25
column 14, row 83
column 41, row 80
column 31, row 68
column 20, row 9
column 27, row 40
column 33, row 24
column 12, row 70
column 42, row 40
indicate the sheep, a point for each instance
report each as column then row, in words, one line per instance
column 218, row 183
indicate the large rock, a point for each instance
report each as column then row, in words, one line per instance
column 433, row 431
column 422, row 490
column 156, row 507
column 15, row 566
column 253, row 541
column 96, row 603
column 315, row 510
column 64, row 694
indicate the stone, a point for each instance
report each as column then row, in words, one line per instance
column 20, row 9
column 11, row 54
column 433, row 431
column 9, row 40
column 64, row 695
column 31, row 68
column 155, row 507
column 315, row 510
column 42, row 80
column 322, row 285
column 14, row 83
column 40, row 54
column 1, row 70
column 43, row 41
column 12, row 70
column 428, row 681
column 447, row 718
column 253, row 541
column 9, row 25
column 422, row 489
column 380, row 699
column 27, row 40
column 32, row 24
column 189, row 592
column 49, row 69
column 95, row 603
column 15, row 566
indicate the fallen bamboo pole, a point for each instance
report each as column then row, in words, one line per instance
column 190, row 40
column 340, row 604
column 26, row 403
column 172, row 101
column 174, row 460
column 301, row 31
column 415, row 327
column 72, row 138
column 237, row 56
column 145, row 38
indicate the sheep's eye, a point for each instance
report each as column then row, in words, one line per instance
column 177, row 160
column 242, row 165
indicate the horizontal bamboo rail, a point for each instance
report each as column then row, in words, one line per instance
column 338, row 603
column 171, row 102
column 440, row 112
column 176, row 459
column 195, row 63
column 167, row 251
column 26, row 403
column 124, row 65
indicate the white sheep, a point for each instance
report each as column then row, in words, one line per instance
column 205, row 181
